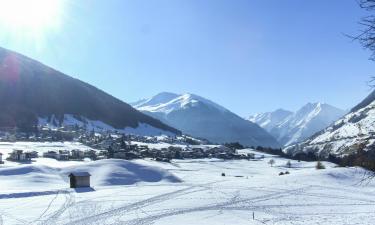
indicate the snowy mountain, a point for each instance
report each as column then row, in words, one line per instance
column 32, row 93
column 289, row 128
column 203, row 118
column 270, row 120
column 356, row 130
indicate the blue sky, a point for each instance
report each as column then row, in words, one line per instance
column 247, row 55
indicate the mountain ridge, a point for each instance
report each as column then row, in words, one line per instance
column 30, row 90
column 353, row 132
column 200, row 117
column 294, row 127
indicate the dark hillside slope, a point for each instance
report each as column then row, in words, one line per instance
column 29, row 89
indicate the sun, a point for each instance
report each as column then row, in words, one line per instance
column 30, row 15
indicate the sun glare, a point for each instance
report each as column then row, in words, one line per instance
column 30, row 15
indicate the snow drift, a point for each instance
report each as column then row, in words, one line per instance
column 104, row 173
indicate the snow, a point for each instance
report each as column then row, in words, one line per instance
column 169, row 102
column 202, row 118
column 296, row 127
column 187, row 192
column 37, row 177
column 270, row 119
column 161, row 145
column 342, row 137
column 143, row 129
column 40, row 147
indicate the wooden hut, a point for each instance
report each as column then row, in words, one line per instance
column 79, row 179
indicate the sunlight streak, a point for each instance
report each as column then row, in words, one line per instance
column 33, row 15
column 30, row 20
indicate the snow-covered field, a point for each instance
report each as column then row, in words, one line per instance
column 185, row 192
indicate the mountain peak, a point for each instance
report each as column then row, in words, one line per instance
column 200, row 117
column 166, row 102
column 345, row 134
column 290, row 127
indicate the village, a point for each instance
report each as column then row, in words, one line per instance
column 112, row 145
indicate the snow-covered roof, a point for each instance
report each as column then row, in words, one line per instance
column 80, row 174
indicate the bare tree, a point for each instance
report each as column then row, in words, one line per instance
column 271, row 162
column 367, row 33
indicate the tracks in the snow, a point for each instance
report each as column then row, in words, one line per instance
column 117, row 212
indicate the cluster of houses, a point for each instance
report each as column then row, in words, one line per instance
column 122, row 150
column 118, row 146
column 130, row 151
column 65, row 155
column 22, row 156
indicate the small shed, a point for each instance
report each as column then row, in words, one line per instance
column 79, row 179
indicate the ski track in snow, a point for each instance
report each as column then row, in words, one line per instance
column 235, row 203
column 306, row 196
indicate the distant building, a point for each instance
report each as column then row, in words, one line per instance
column 33, row 154
column 19, row 155
column 50, row 154
column 79, row 179
column 77, row 154
column 63, row 155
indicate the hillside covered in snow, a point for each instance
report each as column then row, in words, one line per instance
column 289, row 128
column 355, row 131
column 270, row 120
column 200, row 117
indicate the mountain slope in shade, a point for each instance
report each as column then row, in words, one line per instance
column 298, row 126
column 203, row 118
column 354, row 131
column 30, row 90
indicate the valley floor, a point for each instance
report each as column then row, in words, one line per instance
column 36, row 194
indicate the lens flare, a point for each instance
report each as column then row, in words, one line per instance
column 30, row 15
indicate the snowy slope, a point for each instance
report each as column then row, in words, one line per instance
column 169, row 102
column 143, row 129
column 108, row 172
column 187, row 192
column 200, row 117
column 344, row 136
column 298, row 126
column 269, row 120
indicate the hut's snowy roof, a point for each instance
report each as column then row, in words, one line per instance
column 80, row 174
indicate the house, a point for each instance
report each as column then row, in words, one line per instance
column 19, row 155
column 91, row 154
column 77, row 154
column 63, row 155
column 126, row 155
column 79, row 179
column 50, row 154
column 33, row 154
